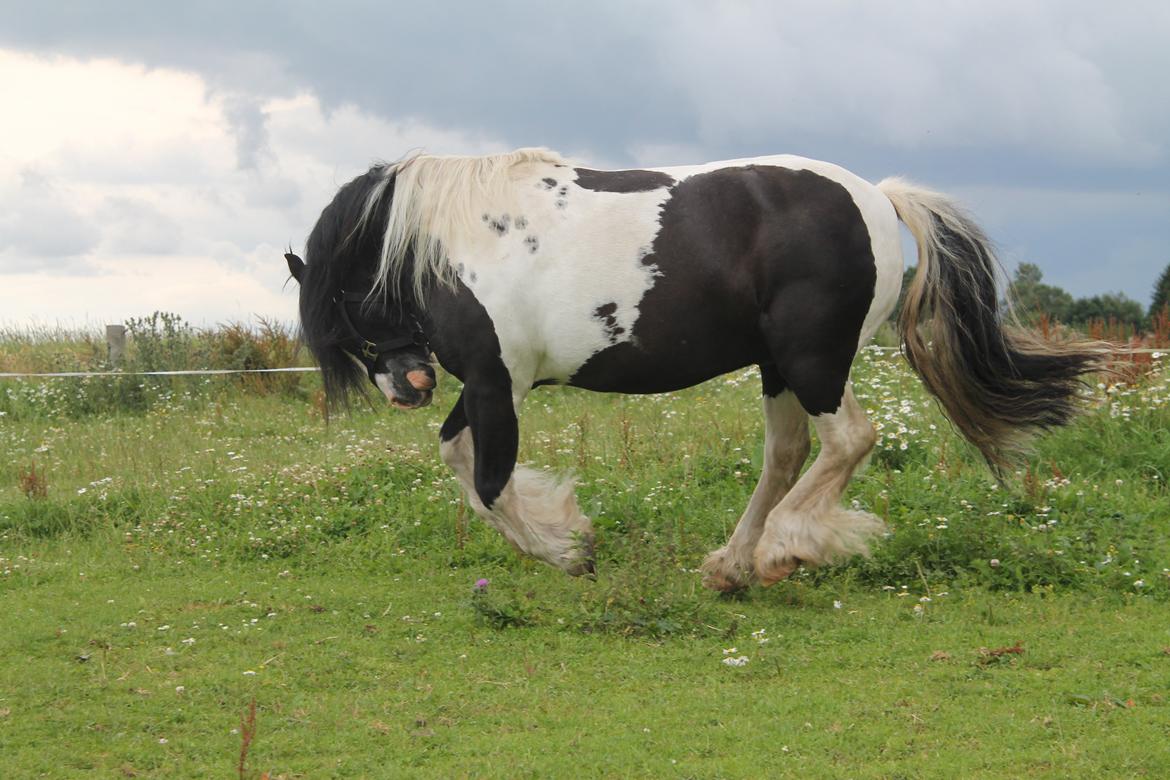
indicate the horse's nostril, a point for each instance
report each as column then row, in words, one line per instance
column 420, row 379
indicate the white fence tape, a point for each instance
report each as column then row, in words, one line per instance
column 190, row 372
column 309, row 369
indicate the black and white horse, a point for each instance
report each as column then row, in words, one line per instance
column 517, row 270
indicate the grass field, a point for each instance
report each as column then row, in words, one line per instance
column 163, row 568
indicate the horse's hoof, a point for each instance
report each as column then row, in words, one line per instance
column 584, row 567
column 718, row 582
column 776, row 570
column 719, row 576
column 583, row 564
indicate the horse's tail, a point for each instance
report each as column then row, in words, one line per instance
column 997, row 383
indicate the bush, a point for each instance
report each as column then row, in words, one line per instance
column 160, row 341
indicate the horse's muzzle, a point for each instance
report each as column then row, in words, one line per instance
column 411, row 389
column 421, row 379
column 424, row 399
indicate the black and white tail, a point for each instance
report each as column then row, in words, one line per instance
column 997, row 383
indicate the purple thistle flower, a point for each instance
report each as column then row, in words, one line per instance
column 481, row 584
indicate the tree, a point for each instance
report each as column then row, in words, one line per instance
column 1161, row 293
column 1110, row 306
column 1033, row 298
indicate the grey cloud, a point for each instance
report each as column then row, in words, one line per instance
column 248, row 123
column 1053, row 93
column 610, row 76
column 582, row 77
column 40, row 231
column 135, row 227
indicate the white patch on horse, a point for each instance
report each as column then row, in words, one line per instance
column 569, row 284
column 385, row 384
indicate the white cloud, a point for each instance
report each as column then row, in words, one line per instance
column 168, row 195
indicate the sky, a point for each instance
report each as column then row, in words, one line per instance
column 161, row 156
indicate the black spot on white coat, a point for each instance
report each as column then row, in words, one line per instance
column 622, row 181
column 500, row 224
column 533, row 244
column 606, row 313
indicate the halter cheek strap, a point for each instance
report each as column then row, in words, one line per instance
column 374, row 349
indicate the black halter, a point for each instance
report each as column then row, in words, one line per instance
column 375, row 349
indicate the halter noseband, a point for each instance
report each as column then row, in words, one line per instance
column 375, row 349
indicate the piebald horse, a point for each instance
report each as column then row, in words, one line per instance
column 521, row 269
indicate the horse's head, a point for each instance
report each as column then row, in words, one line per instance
column 352, row 330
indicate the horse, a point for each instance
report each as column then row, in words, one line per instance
column 523, row 269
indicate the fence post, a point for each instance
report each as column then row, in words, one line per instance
column 116, row 343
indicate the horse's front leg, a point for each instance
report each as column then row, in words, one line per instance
column 536, row 513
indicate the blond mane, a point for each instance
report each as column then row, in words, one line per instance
column 437, row 198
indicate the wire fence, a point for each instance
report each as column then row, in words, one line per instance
column 311, row 369
column 182, row 372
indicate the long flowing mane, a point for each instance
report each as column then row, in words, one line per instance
column 435, row 199
column 392, row 222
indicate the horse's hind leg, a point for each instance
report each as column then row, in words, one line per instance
column 786, row 445
column 809, row 526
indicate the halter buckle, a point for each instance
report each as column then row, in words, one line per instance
column 370, row 350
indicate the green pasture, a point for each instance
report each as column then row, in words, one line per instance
column 164, row 566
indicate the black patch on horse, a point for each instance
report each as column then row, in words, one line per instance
column 605, row 313
column 622, row 181
column 465, row 343
column 754, row 265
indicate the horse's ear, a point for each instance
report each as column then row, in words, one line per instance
column 296, row 266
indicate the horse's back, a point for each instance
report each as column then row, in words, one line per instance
column 656, row 279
